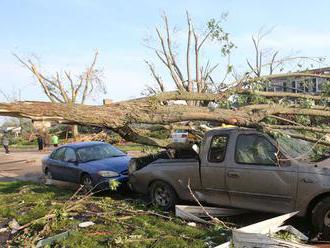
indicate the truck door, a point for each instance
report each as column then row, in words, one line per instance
column 255, row 179
column 213, row 168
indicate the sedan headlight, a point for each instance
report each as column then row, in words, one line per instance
column 108, row 174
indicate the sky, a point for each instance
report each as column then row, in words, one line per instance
column 64, row 34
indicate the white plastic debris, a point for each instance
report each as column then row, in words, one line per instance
column 193, row 224
column 2, row 230
column 14, row 226
column 257, row 235
column 196, row 213
column 86, row 224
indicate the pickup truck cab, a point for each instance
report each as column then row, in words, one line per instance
column 241, row 168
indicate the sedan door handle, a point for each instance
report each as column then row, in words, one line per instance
column 232, row 174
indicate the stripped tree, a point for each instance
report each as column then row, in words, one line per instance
column 66, row 88
column 192, row 75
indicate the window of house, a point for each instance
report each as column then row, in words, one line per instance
column 293, row 86
column 314, row 85
column 301, row 87
column 218, row 148
column 285, row 87
column 255, row 149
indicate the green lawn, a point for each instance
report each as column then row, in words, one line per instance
column 120, row 222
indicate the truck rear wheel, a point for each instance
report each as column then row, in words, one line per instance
column 321, row 218
column 163, row 195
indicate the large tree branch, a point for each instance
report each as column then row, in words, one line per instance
column 169, row 63
column 119, row 116
column 88, row 78
column 189, row 84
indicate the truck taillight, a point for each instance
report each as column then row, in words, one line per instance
column 184, row 136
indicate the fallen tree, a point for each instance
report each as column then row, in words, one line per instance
column 121, row 117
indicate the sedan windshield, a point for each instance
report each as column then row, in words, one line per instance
column 98, row 152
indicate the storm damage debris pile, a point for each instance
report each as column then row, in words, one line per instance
column 263, row 234
column 197, row 214
column 50, row 216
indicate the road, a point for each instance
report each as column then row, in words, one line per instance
column 21, row 165
column 25, row 165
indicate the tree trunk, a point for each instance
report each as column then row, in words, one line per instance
column 75, row 131
column 120, row 116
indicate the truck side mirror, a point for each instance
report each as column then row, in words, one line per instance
column 195, row 147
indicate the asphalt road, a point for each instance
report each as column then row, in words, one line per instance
column 21, row 165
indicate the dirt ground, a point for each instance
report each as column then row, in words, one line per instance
column 22, row 165
column 25, row 165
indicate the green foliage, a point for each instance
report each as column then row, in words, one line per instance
column 120, row 223
column 302, row 119
column 326, row 88
column 307, row 103
column 287, row 236
column 114, row 184
column 218, row 34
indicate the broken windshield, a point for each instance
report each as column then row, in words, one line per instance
column 303, row 150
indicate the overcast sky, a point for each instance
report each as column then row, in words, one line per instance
column 65, row 34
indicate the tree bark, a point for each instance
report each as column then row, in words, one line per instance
column 75, row 131
column 120, row 116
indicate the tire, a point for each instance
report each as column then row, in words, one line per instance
column 163, row 195
column 48, row 174
column 48, row 177
column 321, row 218
column 87, row 182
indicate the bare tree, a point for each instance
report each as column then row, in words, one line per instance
column 267, row 61
column 66, row 88
column 193, row 75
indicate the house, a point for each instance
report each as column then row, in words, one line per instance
column 295, row 84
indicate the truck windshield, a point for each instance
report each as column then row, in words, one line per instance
column 301, row 149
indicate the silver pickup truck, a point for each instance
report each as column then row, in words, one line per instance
column 242, row 168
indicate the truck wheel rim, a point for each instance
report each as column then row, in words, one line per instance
column 162, row 196
column 327, row 218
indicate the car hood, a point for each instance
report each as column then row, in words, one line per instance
column 117, row 164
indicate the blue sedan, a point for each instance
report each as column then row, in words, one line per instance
column 91, row 164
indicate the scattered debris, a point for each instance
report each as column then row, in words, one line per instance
column 248, row 240
column 292, row 230
column 86, row 224
column 99, row 233
column 51, row 240
column 193, row 224
column 259, row 234
column 2, row 230
column 14, row 226
column 196, row 213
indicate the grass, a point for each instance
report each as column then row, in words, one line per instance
column 119, row 222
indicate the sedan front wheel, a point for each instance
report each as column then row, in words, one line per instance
column 87, row 183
